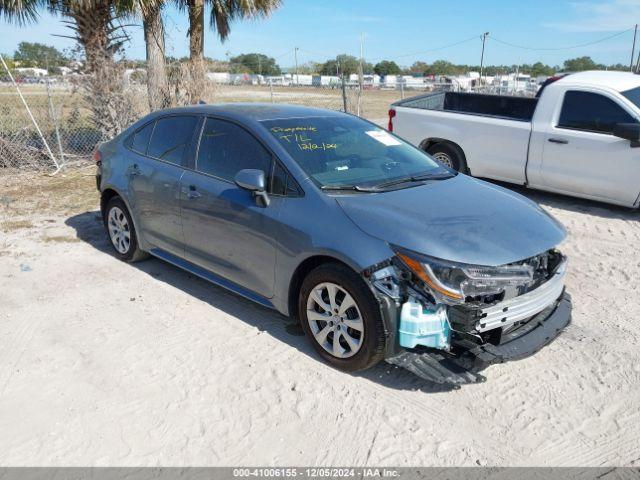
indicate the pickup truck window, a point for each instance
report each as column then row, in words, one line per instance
column 345, row 151
column 633, row 95
column 591, row 112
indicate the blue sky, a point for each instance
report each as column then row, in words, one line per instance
column 401, row 30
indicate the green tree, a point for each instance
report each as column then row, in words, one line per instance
column 387, row 67
column 256, row 63
column 581, row 64
column 418, row 68
column 223, row 13
column 39, row 55
column 342, row 65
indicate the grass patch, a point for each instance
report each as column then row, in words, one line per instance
column 25, row 194
column 59, row 239
column 13, row 225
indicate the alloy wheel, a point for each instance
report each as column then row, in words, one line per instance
column 119, row 230
column 335, row 320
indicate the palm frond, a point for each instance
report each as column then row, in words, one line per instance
column 224, row 12
column 21, row 12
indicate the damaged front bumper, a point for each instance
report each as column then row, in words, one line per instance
column 478, row 336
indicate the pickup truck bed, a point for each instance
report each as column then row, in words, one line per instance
column 513, row 108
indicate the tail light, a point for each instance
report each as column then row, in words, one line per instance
column 97, row 157
column 392, row 113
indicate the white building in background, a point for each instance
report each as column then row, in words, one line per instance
column 32, row 72
column 222, row 78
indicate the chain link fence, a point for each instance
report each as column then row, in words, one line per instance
column 54, row 125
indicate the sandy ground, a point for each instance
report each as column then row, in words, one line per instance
column 104, row 363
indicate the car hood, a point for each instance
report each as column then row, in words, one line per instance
column 460, row 219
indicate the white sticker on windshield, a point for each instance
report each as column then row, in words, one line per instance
column 383, row 137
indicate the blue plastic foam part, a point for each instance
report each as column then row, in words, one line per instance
column 421, row 326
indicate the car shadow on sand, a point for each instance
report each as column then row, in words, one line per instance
column 89, row 228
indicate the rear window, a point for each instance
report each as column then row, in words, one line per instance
column 140, row 140
column 633, row 95
column 171, row 138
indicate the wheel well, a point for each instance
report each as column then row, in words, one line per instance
column 299, row 275
column 427, row 143
column 107, row 195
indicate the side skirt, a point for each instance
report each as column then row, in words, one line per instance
column 210, row 277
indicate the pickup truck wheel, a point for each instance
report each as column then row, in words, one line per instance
column 449, row 156
column 341, row 318
column 122, row 233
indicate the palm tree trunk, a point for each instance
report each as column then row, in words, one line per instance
column 157, row 83
column 92, row 26
column 195, row 87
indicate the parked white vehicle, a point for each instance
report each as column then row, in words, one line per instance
column 579, row 138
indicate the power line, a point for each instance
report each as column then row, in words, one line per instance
column 572, row 47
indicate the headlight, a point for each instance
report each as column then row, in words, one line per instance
column 452, row 283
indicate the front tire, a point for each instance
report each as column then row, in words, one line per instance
column 449, row 156
column 121, row 231
column 341, row 318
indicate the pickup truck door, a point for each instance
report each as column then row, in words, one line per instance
column 582, row 157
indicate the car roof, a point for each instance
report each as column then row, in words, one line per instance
column 619, row 81
column 254, row 111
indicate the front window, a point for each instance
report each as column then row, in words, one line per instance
column 591, row 112
column 346, row 151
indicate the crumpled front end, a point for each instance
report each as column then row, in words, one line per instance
column 446, row 322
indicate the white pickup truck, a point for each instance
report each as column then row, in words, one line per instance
column 579, row 137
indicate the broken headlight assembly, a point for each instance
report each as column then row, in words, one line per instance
column 453, row 283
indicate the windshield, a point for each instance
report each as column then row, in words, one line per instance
column 346, row 151
column 633, row 95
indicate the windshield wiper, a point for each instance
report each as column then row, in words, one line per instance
column 353, row 188
column 414, row 178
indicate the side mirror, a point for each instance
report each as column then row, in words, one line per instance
column 253, row 181
column 628, row 131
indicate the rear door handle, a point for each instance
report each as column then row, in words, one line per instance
column 559, row 140
column 135, row 170
column 193, row 193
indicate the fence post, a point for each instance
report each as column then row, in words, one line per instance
column 401, row 90
column 54, row 119
column 271, row 90
column 344, row 95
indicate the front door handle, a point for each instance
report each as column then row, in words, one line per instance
column 193, row 193
column 561, row 141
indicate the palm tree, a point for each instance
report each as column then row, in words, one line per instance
column 157, row 82
column 91, row 20
column 153, row 26
column 223, row 13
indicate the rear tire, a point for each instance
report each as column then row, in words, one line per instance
column 347, row 332
column 121, row 232
column 449, row 156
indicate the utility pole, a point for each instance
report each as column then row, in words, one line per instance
column 484, row 39
column 633, row 49
column 295, row 53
